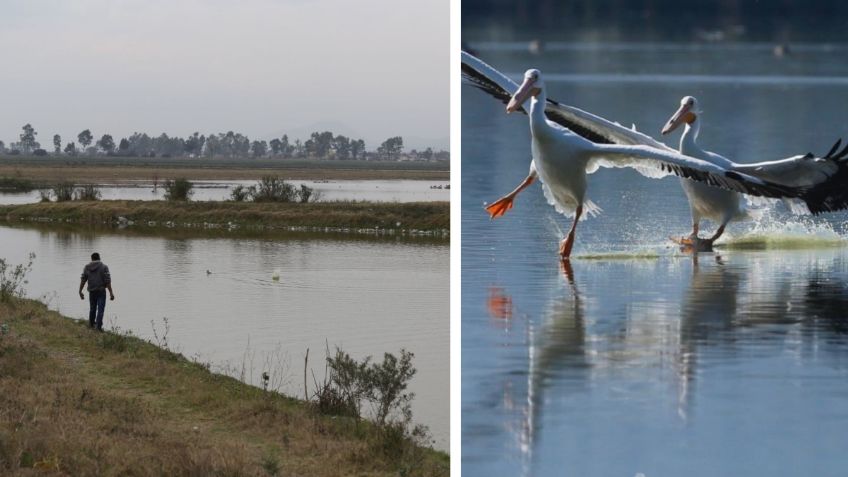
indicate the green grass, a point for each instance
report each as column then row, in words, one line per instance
column 399, row 217
column 77, row 402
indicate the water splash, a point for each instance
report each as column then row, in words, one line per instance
column 776, row 231
column 624, row 255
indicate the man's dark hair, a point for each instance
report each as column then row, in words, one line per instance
column 95, row 256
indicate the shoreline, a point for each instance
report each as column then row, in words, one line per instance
column 137, row 407
column 409, row 219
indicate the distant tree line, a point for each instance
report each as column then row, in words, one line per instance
column 320, row 145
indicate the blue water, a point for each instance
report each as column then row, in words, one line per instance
column 638, row 358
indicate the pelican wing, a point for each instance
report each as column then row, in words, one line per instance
column 818, row 181
column 482, row 76
column 655, row 163
column 594, row 128
column 822, row 179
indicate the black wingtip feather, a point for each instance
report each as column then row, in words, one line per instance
column 833, row 149
column 832, row 194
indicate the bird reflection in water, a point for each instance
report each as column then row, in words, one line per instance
column 727, row 303
column 557, row 344
column 499, row 305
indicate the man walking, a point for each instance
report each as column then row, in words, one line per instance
column 99, row 280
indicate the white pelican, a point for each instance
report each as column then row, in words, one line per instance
column 722, row 206
column 816, row 184
column 562, row 159
column 719, row 205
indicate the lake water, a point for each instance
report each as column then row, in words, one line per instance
column 365, row 296
column 640, row 359
column 368, row 190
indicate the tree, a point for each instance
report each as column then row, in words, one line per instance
column 391, row 148
column 106, row 143
column 194, row 144
column 140, row 144
column 2, row 147
column 57, row 143
column 319, row 144
column 28, row 142
column 276, row 146
column 71, row 149
column 357, row 147
column 341, row 146
column 124, row 146
column 85, row 138
column 213, row 146
column 259, row 148
column 427, row 154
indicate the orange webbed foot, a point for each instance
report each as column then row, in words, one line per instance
column 499, row 207
column 682, row 240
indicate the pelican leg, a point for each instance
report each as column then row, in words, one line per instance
column 718, row 233
column 567, row 243
column 500, row 206
column 690, row 240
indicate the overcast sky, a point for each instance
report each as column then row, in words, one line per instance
column 374, row 68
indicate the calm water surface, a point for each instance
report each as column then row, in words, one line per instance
column 367, row 297
column 370, row 190
column 640, row 359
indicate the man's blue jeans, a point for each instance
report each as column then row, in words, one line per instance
column 97, row 300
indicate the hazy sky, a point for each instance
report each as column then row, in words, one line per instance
column 375, row 68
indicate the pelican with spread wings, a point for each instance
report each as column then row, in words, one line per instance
column 568, row 144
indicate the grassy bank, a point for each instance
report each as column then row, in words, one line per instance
column 77, row 402
column 48, row 170
column 352, row 217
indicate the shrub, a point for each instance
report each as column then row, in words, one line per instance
column 178, row 190
column 63, row 191
column 15, row 184
column 87, row 192
column 305, row 193
column 273, row 189
column 386, row 384
column 13, row 279
column 240, row 193
column 45, row 195
column 382, row 384
column 343, row 388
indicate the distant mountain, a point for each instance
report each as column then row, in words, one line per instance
column 371, row 143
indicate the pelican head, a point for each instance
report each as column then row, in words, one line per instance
column 687, row 113
column 531, row 86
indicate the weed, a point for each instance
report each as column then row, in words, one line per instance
column 87, row 192
column 161, row 341
column 13, row 279
column 271, row 464
column 64, row 191
column 118, row 340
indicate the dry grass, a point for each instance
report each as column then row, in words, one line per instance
column 48, row 170
column 366, row 215
column 76, row 402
